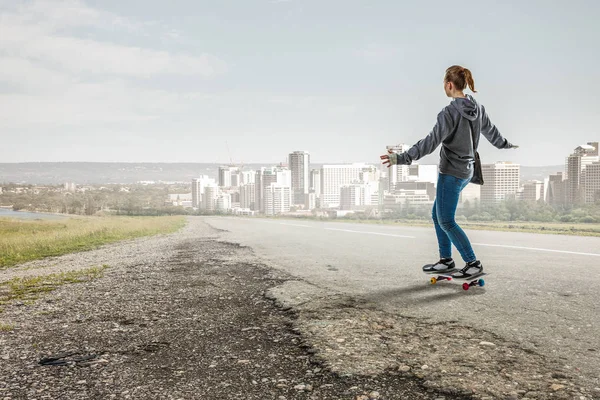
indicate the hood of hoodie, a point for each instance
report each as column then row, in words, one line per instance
column 467, row 107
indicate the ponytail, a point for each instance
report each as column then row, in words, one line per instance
column 460, row 77
column 469, row 80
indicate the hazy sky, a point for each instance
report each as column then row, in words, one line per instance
column 150, row 80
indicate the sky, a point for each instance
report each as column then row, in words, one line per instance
column 249, row 81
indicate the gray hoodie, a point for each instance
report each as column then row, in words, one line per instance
column 453, row 131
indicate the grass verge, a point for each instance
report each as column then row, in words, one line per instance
column 6, row 327
column 22, row 241
column 29, row 289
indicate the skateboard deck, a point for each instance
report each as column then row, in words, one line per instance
column 469, row 282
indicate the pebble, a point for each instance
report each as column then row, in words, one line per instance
column 556, row 387
column 404, row 368
column 374, row 395
column 487, row 344
column 300, row 387
column 425, row 367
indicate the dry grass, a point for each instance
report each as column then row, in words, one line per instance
column 22, row 241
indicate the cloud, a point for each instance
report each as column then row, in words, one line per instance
column 36, row 33
column 58, row 69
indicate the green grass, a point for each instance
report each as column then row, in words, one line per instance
column 29, row 289
column 6, row 327
column 22, row 241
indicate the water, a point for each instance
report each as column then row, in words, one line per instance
column 28, row 215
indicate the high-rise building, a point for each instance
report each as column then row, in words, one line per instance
column 398, row 173
column 248, row 196
column 592, row 183
column 299, row 164
column 501, row 182
column 247, row 177
column 277, row 199
column 533, row 191
column 265, row 177
column 358, row 195
column 575, row 166
column 333, row 177
column 556, row 193
column 209, row 199
column 471, row 193
column 223, row 202
column 429, row 187
column 226, row 174
column 198, row 185
column 423, row 173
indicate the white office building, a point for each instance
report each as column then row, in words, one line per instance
column 228, row 175
column 223, row 202
column 248, row 196
column 358, row 196
column 279, row 175
column 209, row 198
column 501, row 182
column 333, row 177
column 592, row 183
column 397, row 173
column 277, row 199
column 575, row 166
column 198, row 185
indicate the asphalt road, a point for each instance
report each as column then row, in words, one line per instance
column 541, row 291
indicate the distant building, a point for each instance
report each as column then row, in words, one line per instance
column 429, row 187
column 223, row 202
column 471, row 193
column 423, row 173
column 299, row 164
column 556, row 191
column 264, row 178
column 228, row 176
column 356, row 196
column 315, row 181
column 70, row 187
column 501, row 182
column 247, row 177
column 401, row 199
column 398, row 173
column 277, row 199
column 198, row 185
column 533, row 191
column 209, row 198
column 575, row 166
column 333, row 177
column 248, row 196
column 592, row 183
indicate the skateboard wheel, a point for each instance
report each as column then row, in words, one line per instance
column 481, row 282
column 466, row 286
column 433, row 281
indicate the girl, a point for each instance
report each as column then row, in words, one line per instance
column 454, row 127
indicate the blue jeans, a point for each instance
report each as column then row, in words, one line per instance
column 447, row 230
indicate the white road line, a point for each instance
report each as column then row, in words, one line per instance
column 303, row 226
column 537, row 249
column 370, row 233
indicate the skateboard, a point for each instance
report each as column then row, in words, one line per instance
column 470, row 282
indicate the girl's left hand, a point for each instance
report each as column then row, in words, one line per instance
column 386, row 160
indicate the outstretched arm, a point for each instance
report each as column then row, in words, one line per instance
column 424, row 146
column 492, row 134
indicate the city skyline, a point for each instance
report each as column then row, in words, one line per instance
column 246, row 81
